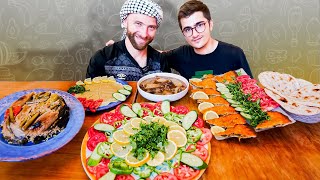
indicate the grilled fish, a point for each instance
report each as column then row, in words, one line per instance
column 217, row 100
column 228, row 121
column 240, row 131
column 222, row 110
column 276, row 119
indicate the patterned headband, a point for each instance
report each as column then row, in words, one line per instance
column 146, row 7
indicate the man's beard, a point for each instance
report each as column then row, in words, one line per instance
column 131, row 37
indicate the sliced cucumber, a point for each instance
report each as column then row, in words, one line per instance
column 220, row 85
column 94, row 158
column 109, row 176
column 119, row 96
column 126, row 111
column 193, row 161
column 127, row 87
column 245, row 115
column 236, row 105
column 228, row 95
column 223, row 89
column 165, row 106
column 232, row 101
column 136, row 107
column 104, row 127
column 189, row 119
column 240, row 109
column 124, row 92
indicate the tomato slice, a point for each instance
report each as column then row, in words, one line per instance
column 102, row 168
column 99, row 170
column 147, row 106
column 201, row 152
column 165, row 176
column 92, row 132
column 111, row 119
column 180, row 109
column 124, row 177
column 184, row 172
column 94, row 141
column 205, row 137
column 199, row 123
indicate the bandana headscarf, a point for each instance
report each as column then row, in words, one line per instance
column 146, row 7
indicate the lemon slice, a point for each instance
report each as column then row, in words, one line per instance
column 148, row 119
column 204, row 105
column 210, row 115
column 157, row 160
column 216, row 129
column 177, row 137
column 88, row 81
column 170, row 150
column 135, row 122
column 120, row 150
column 121, row 137
column 160, row 120
column 129, row 129
column 134, row 162
column 96, row 80
column 80, row 83
column 177, row 127
column 199, row 95
column 170, row 123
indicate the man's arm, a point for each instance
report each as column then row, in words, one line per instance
column 96, row 65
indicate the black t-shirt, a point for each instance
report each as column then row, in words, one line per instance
column 224, row 58
column 115, row 60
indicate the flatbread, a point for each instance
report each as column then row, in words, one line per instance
column 284, row 84
column 308, row 95
column 297, row 96
column 292, row 106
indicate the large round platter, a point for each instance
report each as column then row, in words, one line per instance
column 10, row 152
column 85, row 154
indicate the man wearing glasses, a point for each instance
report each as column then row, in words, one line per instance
column 203, row 52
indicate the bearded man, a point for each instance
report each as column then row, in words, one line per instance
column 132, row 57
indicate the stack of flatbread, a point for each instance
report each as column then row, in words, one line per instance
column 297, row 96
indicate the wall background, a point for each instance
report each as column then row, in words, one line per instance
column 54, row 39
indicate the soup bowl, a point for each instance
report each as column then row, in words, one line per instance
column 159, row 97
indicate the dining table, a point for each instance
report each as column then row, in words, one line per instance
column 290, row 152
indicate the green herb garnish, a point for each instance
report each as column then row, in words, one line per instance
column 77, row 89
column 151, row 137
column 252, row 108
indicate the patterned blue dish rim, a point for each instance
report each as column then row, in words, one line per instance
column 14, row 153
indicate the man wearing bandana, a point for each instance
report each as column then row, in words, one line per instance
column 132, row 57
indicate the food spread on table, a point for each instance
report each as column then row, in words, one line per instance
column 100, row 92
column 35, row 117
column 235, row 106
column 147, row 140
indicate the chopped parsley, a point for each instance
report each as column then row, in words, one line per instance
column 151, row 137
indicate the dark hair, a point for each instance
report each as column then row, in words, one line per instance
column 192, row 6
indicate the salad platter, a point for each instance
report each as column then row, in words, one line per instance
column 101, row 93
column 147, row 140
column 235, row 106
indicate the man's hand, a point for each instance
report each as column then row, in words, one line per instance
column 110, row 42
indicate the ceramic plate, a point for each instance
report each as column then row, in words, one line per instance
column 30, row 151
column 112, row 104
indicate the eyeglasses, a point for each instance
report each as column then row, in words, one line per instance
column 199, row 27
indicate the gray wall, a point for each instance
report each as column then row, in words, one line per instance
column 54, row 39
